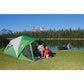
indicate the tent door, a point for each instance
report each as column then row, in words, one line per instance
column 36, row 54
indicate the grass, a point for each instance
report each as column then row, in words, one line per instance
column 64, row 60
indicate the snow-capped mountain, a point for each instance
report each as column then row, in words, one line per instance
column 38, row 28
column 66, row 29
column 5, row 31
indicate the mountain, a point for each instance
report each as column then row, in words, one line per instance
column 5, row 31
column 38, row 28
column 68, row 29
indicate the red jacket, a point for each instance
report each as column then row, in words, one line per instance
column 47, row 51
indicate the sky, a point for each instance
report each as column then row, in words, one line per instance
column 21, row 22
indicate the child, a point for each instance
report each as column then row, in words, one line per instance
column 46, row 52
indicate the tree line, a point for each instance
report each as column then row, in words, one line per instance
column 3, row 41
column 44, row 34
column 49, row 34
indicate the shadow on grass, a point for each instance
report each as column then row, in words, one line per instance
column 52, row 54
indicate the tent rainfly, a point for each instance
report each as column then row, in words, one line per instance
column 23, row 47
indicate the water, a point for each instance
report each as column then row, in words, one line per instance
column 72, row 48
column 76, row 44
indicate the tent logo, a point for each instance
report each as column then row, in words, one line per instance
column 21, row 45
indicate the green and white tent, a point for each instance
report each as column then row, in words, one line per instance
column 22, row 47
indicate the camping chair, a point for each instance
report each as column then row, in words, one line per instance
column 37, row 53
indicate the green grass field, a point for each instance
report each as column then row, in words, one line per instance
column 64, row 60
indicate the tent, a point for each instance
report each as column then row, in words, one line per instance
column 23, row 47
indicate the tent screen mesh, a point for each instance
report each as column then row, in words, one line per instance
column 36, row 43
column 27, row 52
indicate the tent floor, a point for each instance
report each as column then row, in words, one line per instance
column 39, row 58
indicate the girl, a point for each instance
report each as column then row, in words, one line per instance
column 46, row 52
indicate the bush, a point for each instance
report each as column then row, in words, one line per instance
column 3, row 41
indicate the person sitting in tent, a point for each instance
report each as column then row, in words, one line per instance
column 41, row 49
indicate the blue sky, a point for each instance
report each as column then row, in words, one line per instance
column 20, row 22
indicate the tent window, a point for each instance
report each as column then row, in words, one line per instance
column 27, row 52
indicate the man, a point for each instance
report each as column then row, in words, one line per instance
column 69, row 46
column 41, row 49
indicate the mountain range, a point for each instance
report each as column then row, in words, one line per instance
column 5, row 31
column 34, row 29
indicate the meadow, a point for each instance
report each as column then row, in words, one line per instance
column 63, row 60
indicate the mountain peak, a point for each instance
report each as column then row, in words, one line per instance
column 38, row 28
column 5, row 31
